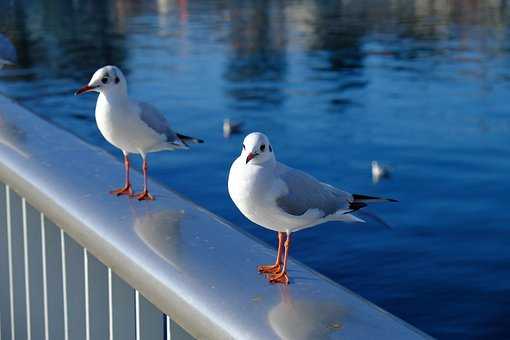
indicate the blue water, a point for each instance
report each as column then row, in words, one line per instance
column 419, row 85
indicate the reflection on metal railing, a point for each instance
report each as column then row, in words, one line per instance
column 57, row 290
column 83, row 264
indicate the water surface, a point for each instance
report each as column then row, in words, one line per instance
column 420, row 85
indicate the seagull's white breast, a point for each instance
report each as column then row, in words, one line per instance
column 254, row 190
column 120, row 124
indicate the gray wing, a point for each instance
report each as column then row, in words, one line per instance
column 157, row 122
column 7, row 50
column 305, row 192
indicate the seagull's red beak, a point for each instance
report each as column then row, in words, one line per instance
column 250, row 157
column 84, row 89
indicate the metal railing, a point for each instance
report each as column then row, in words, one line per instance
column 76, row 263
column 55, row 289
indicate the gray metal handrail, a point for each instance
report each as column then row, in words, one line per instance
column 192, row 265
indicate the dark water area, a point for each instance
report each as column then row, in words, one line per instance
column 422, row 86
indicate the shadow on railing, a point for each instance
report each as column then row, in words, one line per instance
column 82, row 264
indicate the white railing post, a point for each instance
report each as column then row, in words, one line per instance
column 9, row 256
column 64, row 283
column 86, row 280
column 25, row 257
column 45, row 278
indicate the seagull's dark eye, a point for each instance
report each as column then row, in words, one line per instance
column 262, row 147
column 244, row 147
column 104, row 80
column 117, row 80
column 270, row 148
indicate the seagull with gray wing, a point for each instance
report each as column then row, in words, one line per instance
column 284, row 199
column 132, row 126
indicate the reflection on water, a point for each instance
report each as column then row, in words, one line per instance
column 257, row 59
column 421, row 85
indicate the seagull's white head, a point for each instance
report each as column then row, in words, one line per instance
column 108, row 80
column 257, row 149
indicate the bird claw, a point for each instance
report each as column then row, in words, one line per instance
column 144, row 196
column 269, row 269
column 279, row 278
column 126, row 190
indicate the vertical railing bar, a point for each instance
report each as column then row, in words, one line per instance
column 45, row 278
column 86, row 279
column 25, row 255
column 9, row 258
column 64, row 282
column 137, row 315
column 168, row 332
column 110, row 304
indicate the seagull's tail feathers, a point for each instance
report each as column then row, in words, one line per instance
column 353, row 219
column 346, row 216
column 361, row 201
column 177, row 145
column 189, row 140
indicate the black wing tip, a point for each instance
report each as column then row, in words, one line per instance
column 185, row 138
column 358, row 197
column 355, row 206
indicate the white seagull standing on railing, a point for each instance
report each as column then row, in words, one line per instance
column 284, row 199
column 7, row 52
column 132, row 126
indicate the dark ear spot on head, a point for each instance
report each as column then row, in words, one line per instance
column 270, row 148
column 244, row 147
column 117, row 80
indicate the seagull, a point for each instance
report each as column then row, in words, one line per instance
column 7, row 52
column 230, row 127
column 132, row 126
column 280, row 198
column 379, row 171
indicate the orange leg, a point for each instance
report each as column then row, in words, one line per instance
column 144, row 195
column 275, row 268
column 126, row 189
column 282, row 276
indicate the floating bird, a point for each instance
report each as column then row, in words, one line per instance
column 379, row 171
column 230, row 127
column 132, row 126
column 7, row 52
column 284, row 199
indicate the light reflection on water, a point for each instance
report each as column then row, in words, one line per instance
column 419, row 85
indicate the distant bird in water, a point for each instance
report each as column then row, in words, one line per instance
column 7, row 52
column 230, row 127
column 379, row 172
column 132, row 126
column 284, row 199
